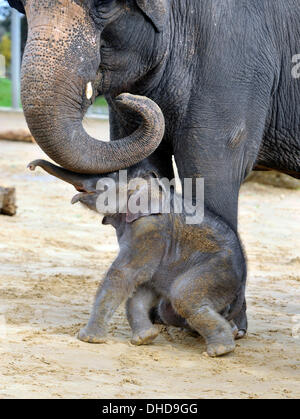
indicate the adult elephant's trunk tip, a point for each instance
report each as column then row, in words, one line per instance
column 152, row 129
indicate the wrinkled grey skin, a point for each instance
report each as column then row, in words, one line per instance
column 197, row 272
column 220, row 70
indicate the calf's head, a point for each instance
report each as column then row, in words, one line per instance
column 120, row 196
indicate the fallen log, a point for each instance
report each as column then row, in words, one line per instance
column 8, row 201
column 17, row 135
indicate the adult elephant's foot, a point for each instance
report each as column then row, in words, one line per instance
column 241, row 322
column 144, row 337
column 237, row 334
column 92, row 334
column 240, row 334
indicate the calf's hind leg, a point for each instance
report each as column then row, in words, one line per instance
column 215, row 330
column 190, row 298
column 138, row 309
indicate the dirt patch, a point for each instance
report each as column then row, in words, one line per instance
column 272, row 178
column 52, row 257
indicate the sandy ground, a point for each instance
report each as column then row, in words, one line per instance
column 52, row 257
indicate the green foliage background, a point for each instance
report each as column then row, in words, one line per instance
column 5, row 95
column 5, row 92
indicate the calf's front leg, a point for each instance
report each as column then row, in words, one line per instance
column 119, row 284
column 138, row 309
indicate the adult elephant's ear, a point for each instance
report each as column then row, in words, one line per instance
column 17, row 4
column 156, row 11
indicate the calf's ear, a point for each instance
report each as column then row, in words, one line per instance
column 156, row 11
column 17, row 4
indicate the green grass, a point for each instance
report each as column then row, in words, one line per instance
column 5, row 92
column 5, row 95
column 100, row 101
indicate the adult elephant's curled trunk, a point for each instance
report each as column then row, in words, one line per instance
column 60, row 133
column 60, row 63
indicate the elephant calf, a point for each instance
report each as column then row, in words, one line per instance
column 198, row 270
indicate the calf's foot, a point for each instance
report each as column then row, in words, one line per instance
column 217, row 332
column 144, row 337
column 92, row 334
column 219, row 346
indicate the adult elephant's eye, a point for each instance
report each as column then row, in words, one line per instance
column 102, row 10
column 103, row 6
column 103, row 2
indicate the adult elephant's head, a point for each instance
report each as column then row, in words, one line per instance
column 67, row 61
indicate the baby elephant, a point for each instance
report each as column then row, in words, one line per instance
column 198, row 270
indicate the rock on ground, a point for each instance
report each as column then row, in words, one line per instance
column 8, row 201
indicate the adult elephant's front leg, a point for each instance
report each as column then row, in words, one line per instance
column 222, row 164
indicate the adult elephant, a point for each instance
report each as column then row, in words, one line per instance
column 220, row 70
